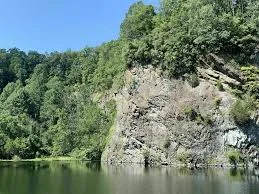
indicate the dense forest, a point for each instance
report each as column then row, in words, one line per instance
column 49, row 102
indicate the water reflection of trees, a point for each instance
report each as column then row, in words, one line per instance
column 244, row 174
column 78, row 176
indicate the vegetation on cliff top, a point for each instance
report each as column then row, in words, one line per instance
column 46, row 101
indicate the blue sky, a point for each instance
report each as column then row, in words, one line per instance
column 48, row 25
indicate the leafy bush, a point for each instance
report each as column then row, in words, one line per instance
column 193, row 80
column 251, row 85
column 16, row 158
column 183, row 157
column 17, row 147
column 234, row 157
column 242, row 109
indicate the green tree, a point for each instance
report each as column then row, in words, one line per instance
column 138, row 21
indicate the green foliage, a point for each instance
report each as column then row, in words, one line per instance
column 16, row 64
column 193, row 80
column 251, row 85
column 234, row 157
column 194, row 115
column 52, row 112
column 168, row 6
column 110, row 67
column 186, row 31
column 242, row 109
column 17, row 147
column 138, row 21
column 16, row 158
column 183, row 156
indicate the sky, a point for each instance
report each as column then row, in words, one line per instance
column 59, row 25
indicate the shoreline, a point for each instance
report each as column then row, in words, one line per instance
column 50, row 159
column 62, row 158
column 189, row 166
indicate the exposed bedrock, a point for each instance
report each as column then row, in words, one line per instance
column 163, row 121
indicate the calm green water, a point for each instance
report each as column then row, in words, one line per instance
column 85, row 178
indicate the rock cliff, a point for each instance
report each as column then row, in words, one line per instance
column 166, row 121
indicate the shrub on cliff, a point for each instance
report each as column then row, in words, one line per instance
column 234, row 157
column 251, row 75
column 193, row 80
column 242, row 109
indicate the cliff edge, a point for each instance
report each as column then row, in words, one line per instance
column 167, row 121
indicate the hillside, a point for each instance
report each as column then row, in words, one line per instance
column 180, row 85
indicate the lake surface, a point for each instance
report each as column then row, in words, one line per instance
column 87, row 178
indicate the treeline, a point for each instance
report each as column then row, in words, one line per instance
column 46, row 105
column 48, row 102
column 185, row 31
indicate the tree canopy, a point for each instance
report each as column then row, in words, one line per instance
column 138, row 21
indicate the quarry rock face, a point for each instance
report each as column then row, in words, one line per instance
column 166, row 121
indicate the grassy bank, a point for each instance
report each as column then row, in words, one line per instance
column 49, row 159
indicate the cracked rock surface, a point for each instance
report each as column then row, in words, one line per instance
column 163, row 121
